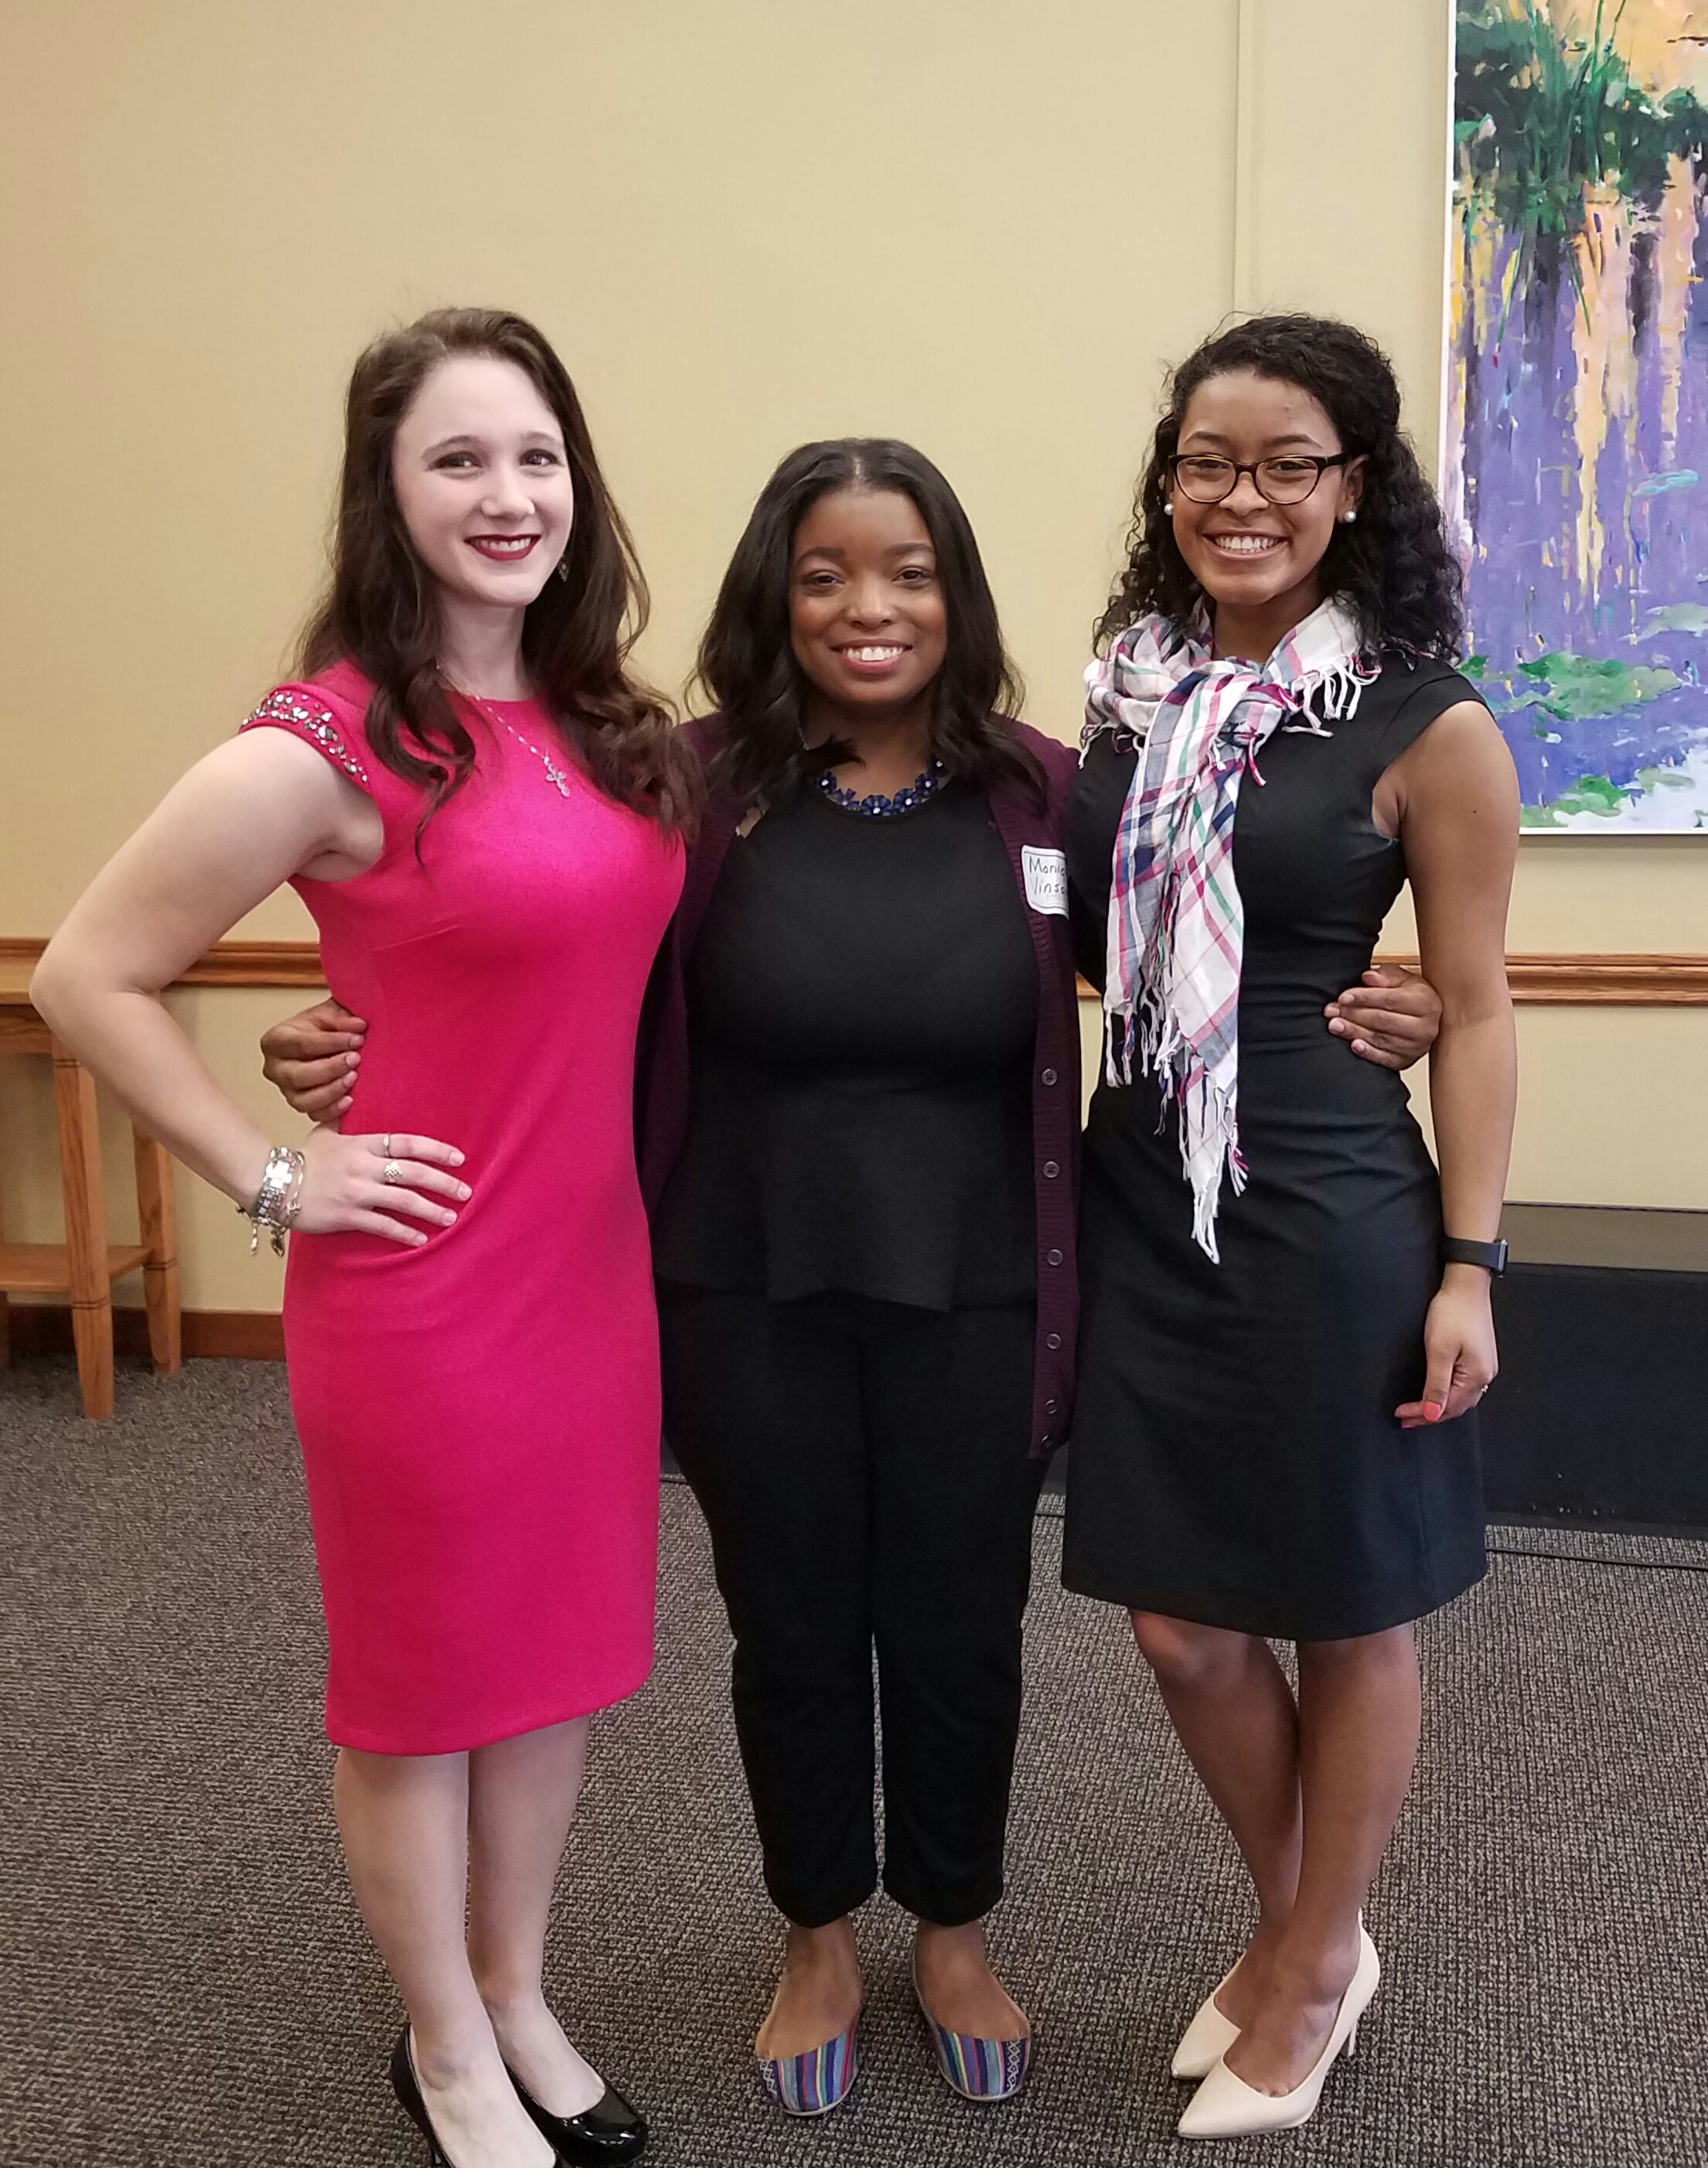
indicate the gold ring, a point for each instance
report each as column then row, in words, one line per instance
column 386, row 1145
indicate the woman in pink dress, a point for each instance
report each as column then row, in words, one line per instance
column 483, row 812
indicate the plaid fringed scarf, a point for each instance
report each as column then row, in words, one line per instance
column 1176, row 925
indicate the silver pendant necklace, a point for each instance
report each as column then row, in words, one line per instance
column 557, row 777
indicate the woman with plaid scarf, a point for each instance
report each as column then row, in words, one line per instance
column 1286, row 1309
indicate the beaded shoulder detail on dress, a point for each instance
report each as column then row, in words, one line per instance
column 294, row 712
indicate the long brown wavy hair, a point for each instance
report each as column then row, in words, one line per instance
column 380, row 610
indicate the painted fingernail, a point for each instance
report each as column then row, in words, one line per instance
column 1432, row 1409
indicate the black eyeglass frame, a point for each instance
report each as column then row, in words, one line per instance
column 1250, row 466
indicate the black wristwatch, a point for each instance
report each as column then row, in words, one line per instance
column 1490, row 1255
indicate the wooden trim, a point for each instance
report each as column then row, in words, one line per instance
column 1605, row 982
column 258, row 964
column 247, row 1336
column 228, row 964
column 22, row 1031
column 1611, row 981
column 1588, row 981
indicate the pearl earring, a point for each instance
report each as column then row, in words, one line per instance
column 1168, row 509
column 1347, row 519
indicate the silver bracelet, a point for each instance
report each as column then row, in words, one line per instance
column 279, row 1199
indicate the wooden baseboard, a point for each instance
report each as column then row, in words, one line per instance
column 245, row 1335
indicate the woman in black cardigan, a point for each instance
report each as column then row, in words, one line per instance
column 860, row 1140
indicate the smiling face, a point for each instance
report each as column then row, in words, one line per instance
column 1254, row 560
column 866, row 616
column 482, row 482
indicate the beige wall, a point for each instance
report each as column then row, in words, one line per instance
column 980, row 224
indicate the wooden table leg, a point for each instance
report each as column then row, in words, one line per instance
column 156, row 1215
column 86, row 1229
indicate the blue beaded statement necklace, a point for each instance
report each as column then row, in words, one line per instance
column 877, row 807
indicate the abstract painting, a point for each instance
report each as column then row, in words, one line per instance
column 1575, row 452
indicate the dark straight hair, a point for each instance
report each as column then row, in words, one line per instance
column 1393, row 567
column 747, row 665
column 380, row 611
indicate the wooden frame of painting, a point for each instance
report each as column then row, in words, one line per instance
column 1574, row 465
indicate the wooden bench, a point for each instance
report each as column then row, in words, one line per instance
column 84, row 1266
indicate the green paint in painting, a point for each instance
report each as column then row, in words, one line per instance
column 1677, row 617
column 1596, row 794
column 1577, row 686
column 1589, row 793
column 1541, row 119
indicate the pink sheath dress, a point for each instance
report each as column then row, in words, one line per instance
column 479, row 1417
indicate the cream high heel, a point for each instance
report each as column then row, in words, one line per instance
column 1225, row 2107
column 1207, row 2038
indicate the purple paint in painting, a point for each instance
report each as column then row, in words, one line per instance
column 1576, row 469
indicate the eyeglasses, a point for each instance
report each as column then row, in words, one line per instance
column 1288, row 479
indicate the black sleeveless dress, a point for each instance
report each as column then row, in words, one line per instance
column 1234, row 1457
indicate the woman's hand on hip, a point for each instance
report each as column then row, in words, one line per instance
column 357, row 1185
column 1392, row 1018
column 1459, row 1350
column 312, row 1058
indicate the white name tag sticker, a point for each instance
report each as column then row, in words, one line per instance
column 1046, row 881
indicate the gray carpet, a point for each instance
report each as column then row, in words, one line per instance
column 182, row 1981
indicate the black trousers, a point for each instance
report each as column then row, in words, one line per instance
column 864, row 1472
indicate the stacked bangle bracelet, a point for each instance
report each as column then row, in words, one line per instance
column 277, row 1201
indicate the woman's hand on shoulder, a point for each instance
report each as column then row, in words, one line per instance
column 1392, row 1018
column 310, row 1059
column 347, row 1187
column 1460, row 1362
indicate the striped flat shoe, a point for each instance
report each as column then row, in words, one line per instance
column 814, row 2083
column 983, row 2070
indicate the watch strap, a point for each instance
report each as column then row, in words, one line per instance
column 1490, row 1255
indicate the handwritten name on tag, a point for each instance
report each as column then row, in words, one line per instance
column 1046, row 881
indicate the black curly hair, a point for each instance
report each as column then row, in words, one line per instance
column 1393, row 567
column 746, row 662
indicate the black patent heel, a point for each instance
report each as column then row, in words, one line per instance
column 611, row 2130
column 407, row 2087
